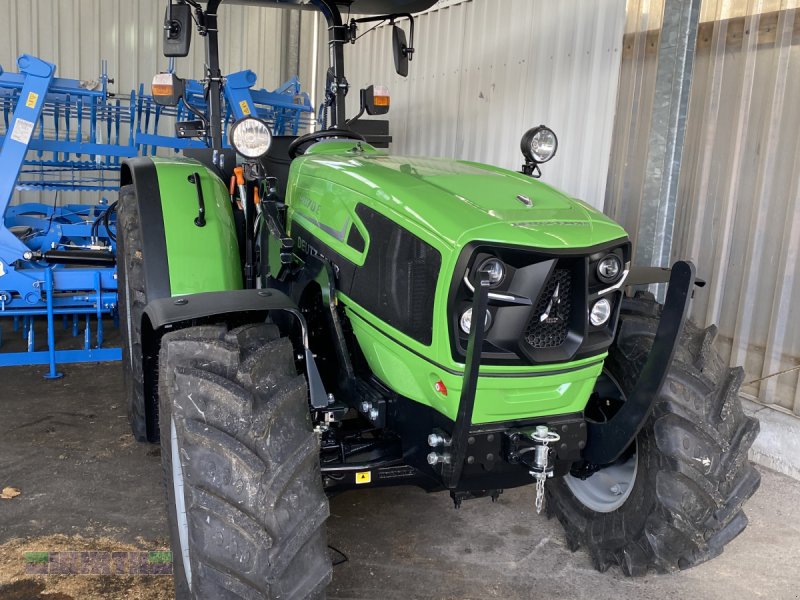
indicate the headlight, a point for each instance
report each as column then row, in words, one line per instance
column 539, row 144
column 609, row 268
column 494, row 270
column 600, row 313
column 250, row 137
column 466, row 320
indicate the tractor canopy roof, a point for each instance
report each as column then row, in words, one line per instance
column 364, row 7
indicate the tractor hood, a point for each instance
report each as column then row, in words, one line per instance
column 459, row 202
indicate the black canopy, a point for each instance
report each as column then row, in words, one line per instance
column 364, row 7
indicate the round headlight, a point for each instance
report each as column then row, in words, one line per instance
column 601, row 311
column 465, row 322
column 495, row 271
column 539, row 144
column 250, row 137
column 609, row 268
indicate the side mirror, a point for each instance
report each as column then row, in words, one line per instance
column 168, row 89
column 177, row 30
column 400, row 51
column 375, row 100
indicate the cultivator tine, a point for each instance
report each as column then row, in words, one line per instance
column 87, row 335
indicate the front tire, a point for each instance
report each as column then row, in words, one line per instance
column 691, row 475
column 241, row 459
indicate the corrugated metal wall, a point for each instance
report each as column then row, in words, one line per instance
column 485, row 71
column 76, row 34
column 739, row 190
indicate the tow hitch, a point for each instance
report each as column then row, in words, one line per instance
column 535, row 450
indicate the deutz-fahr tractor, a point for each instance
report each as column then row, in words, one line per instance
column 305, row 316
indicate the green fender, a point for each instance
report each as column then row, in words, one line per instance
column 180, row 257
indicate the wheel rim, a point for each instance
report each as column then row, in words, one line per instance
column 180, row 504
column 129, row 322
column 607, row 489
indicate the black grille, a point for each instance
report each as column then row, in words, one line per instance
column 552, row 331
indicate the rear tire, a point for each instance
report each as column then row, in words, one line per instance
column 132, row 300
column 692, row 475
column 254, row 524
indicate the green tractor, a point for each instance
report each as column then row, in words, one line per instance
column 342, row 318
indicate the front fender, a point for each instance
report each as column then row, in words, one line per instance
column 186, row 309
column 169, row 311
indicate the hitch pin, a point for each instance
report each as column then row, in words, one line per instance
column 542, row 467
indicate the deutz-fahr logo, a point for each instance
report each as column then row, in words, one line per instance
column 555, row 301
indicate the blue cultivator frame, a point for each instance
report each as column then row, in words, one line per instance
column 58, row 261
column 54, row 261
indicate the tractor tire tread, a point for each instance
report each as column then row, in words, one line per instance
column 697, row 439
column 250, row 460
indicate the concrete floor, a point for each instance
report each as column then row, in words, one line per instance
column 65, row 445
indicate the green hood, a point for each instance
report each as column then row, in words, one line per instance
column 459, row 201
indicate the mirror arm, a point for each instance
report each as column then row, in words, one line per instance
column 409, row 52
column 168, row 22
column 198, row 17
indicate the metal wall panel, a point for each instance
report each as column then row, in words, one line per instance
column 76, row 35
column 738, row 215
column 485, row 71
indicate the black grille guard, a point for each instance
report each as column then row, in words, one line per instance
column 607, row 441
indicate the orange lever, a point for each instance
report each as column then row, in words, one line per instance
column 239, row 173
column 232, row 186
column 256, row 197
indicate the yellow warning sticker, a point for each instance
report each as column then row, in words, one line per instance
column 33, row 98
column 245, row 108
column 363, row 477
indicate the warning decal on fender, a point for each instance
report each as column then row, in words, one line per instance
column 22, row 131
column 363, row 477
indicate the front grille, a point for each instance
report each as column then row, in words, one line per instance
column 552, row 331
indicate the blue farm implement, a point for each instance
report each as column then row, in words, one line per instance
column 57, row 261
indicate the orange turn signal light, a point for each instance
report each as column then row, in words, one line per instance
column 162, row 85
column 162, row 90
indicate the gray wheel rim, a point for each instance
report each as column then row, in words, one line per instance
column 608, row 489
column 180, row 503
column 129, row 322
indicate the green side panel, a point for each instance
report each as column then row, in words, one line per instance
column 500, row 398
column 201, row 259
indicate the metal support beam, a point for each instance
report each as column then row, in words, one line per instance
column 290, row 59
column 676, row 51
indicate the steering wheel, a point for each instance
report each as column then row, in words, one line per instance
column 299, row 146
